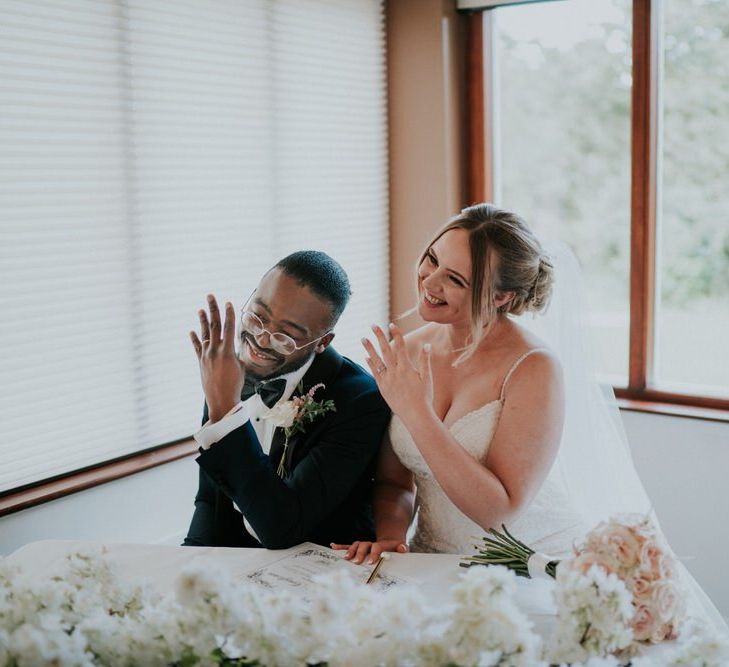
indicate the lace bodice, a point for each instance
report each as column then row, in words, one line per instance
column 549, row 524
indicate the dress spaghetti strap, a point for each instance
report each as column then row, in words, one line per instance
column 515, row 365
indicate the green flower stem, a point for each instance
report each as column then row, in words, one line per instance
column 502, row 548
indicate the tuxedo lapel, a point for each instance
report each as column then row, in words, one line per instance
column 324, row 369
column 277, row 447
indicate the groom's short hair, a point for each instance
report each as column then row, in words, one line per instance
column 323, row 275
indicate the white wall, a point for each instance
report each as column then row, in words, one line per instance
column 683, row 464
column 153, row 506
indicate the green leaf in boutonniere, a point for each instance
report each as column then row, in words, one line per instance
column 294, row 414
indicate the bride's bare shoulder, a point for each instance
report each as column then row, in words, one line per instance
column 534, row 357
column 527, row 340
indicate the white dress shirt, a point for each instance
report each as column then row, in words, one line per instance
column 253, row 409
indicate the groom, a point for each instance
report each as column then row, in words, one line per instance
column 256, row 487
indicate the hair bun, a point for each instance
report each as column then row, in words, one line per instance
column 541, row 289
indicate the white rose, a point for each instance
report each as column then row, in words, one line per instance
column 283, row 414
column 669, row 602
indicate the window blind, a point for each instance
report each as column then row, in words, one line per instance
column 152, row 152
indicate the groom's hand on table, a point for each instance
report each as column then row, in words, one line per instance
column 357, row 552
column 221, row 372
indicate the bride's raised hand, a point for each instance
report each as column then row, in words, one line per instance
column 407, row 388
column 357, row 552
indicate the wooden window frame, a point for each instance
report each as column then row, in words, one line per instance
column 37, row 493
column 640, row 394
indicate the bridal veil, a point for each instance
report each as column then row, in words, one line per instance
column 594, row 459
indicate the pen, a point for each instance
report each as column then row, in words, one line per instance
column 373, row 574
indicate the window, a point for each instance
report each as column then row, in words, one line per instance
column 154, row 151
column 604, row 121
column 693, row 242
column 562, row 118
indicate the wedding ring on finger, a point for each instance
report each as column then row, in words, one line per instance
column 380, row 370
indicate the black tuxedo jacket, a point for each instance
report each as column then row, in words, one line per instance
column 326, row 495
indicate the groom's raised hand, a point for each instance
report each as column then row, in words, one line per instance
column 221, row 372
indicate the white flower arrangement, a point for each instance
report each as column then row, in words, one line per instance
column 85, row 615
column 483, row 626
column 594, row 611
column 699, row 649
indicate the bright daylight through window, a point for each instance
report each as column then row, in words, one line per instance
column 693, row 243
column 562, row 132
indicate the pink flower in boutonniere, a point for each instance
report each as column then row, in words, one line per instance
column 292, row 415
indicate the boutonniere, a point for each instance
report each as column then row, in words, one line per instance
column 294, row 414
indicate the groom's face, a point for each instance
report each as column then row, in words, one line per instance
column 287, row 307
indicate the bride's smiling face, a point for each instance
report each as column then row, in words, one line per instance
column 444, row 276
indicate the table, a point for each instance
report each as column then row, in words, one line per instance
column 434, row 574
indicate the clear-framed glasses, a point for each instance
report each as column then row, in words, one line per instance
column 279, row 342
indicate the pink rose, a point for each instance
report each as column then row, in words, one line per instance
column 661, row 633
column 669, row 603
column 650, row 553
column 594, row 540
column 640, row 586
column 586, row 560
column 625, row 545
column 640, row 524
column 658, row 562
column 644, row 623
column 669, row 631
column 665, row 600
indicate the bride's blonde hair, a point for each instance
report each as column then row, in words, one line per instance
column 505, row 257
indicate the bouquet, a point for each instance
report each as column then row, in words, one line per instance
column 629, row 549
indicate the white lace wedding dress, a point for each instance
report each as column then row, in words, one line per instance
column 549, row 524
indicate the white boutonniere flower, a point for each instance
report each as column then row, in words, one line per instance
column 283, row 415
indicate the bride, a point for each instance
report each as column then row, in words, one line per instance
column 494, row 421
column 478, row 400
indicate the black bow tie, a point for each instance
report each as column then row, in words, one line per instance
column 270, row 391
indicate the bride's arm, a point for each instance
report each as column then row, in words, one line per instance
column 519, row 457
column 394, row 496
column 521, row 451
column 393, row 504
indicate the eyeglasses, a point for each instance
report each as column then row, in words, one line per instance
column 280, row 342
